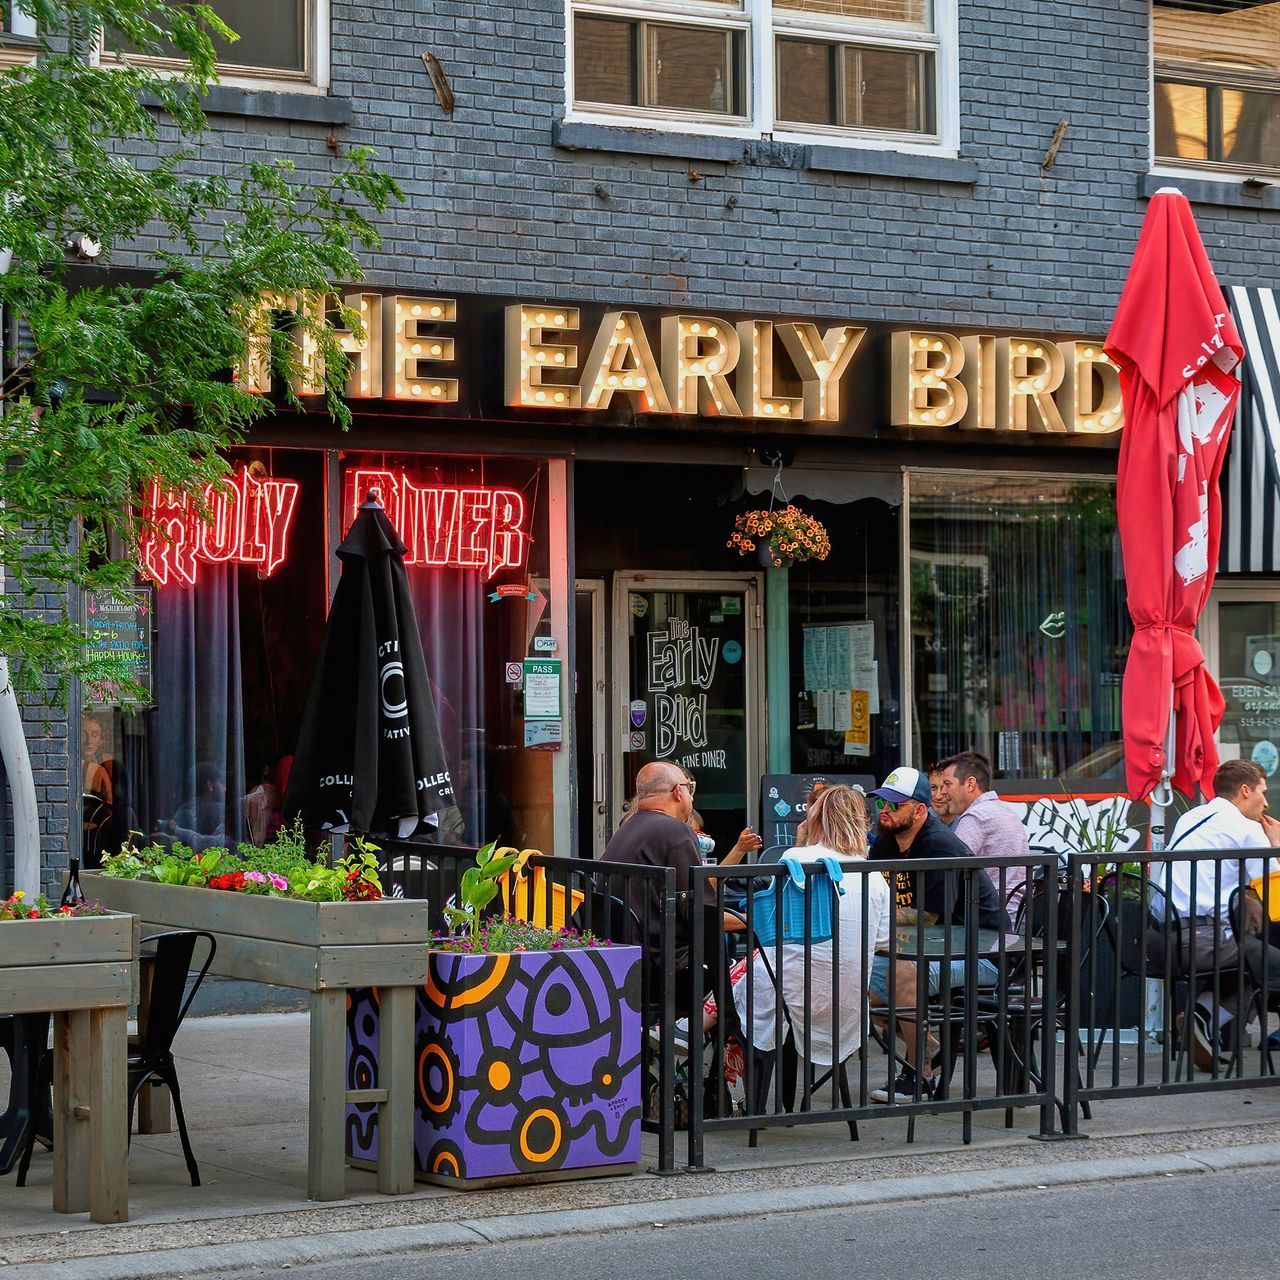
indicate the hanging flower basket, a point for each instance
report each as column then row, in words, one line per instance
column 782, row 536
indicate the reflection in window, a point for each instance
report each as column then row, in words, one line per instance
column 1019, row 623
column 1217, row 84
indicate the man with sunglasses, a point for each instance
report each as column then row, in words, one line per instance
column 656, row 832
column 907, row 827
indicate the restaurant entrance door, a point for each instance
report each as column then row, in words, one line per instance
column 688, row 688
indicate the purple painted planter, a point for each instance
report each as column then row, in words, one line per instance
column 528, row 1065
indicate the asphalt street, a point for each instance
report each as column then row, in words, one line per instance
column 1217, row 1225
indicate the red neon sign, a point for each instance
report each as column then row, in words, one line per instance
column 458, row 526
column 248, row 522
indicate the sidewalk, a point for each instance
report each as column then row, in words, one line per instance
column 245, row 1090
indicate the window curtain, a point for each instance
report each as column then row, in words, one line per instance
column 450, row 605
column 1019, row 623
column 198, row 772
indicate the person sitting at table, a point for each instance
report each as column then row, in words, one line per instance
column 835, row 826
column 907, row 827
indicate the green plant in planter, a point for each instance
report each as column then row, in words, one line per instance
column 478, row 888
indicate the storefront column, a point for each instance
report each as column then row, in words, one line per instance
column 777, row 649
column 563, row 777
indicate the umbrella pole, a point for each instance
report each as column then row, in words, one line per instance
column 1162, row 796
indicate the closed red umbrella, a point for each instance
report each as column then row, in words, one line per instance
column 1176, row 344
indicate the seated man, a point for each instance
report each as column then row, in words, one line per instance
column 907, row 827
column 989, row 826
column 1236, row 818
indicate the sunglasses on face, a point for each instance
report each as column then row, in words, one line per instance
column 894, row 805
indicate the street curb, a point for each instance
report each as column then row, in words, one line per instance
column 522, row 1227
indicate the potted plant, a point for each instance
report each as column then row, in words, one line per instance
column 781, row 536
column 528, row 1049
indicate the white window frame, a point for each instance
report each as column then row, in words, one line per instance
column 1169, row 167
column 18, row 52
column 314, row 80
column 761, row 24
column 21, row 23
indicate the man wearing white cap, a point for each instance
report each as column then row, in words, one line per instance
column 907, row 827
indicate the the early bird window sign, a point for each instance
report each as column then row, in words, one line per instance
column 579, row 362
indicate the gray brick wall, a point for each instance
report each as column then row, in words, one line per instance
column 494, row 206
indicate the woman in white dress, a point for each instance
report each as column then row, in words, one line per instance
column 836, row 827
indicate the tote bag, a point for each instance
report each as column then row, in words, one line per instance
column 826, row 875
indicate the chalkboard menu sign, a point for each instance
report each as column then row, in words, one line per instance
column 784, row 797
column 118, row 624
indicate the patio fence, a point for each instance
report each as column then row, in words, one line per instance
column 1042, row 1018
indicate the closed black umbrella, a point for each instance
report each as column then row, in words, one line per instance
column 369, row 755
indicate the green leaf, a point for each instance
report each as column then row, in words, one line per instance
column 485, row 853
column 500, row 866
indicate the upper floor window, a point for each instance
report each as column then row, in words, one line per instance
column 278, row 40
column 865, row 67
column 14, row 21
column 1217, row 84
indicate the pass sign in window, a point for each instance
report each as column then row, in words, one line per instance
column 542, row 688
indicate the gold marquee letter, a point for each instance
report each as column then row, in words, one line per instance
column 697, row 353
column 529, row 356
column 621, row 362
column 1028, row 372
column 927, row 389
column 408, row 344
column 1090, row 397
column 821, row 360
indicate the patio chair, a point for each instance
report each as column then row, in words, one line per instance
column 1247, row 916
column 170, row 999
column 762, row 1062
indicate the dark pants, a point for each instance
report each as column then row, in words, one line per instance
column 1241, row 965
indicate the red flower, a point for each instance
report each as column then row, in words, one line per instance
column 33, row 914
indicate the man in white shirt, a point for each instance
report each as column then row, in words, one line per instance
column 1236, row 818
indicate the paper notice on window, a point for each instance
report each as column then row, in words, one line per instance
column 815, row 659
column 857, row 738
column 840, row 709
column 824, row 705
column 867, row 679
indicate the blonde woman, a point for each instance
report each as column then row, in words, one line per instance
column 836, row 827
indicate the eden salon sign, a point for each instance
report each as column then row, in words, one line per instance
column 576, row 362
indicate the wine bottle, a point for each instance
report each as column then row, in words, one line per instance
column 73, row 894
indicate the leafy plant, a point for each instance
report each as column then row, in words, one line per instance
column 124, row 380
column 17, row 907
column 507, row 935
column 478, row 887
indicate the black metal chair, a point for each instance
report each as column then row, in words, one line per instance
column 1248, row 917
column 170, row 999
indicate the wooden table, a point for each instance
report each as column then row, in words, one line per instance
column 85, row 972
column 327, row 949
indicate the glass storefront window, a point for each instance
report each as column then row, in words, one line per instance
column 477, row 532
column 233, row 647
column 1019, row 623
column 1248, row 662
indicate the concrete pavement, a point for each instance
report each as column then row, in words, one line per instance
column 244, row 1082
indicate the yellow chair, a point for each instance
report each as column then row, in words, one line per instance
column 525, row 895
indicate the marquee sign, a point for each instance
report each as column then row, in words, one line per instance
column 572, row 362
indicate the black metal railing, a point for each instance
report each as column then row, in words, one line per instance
column 928, row 995
column 1191, row 923
column 1047, row 1012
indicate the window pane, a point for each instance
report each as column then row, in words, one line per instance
column 806, row 92
column 1250, row 127
column 690, row 69
column 910, row 13
column 1246, row 38
column 1182, row 121
column 604, row 61
column 994, row 562
column 1249, row 674
column 882, row 89
column 272, row 33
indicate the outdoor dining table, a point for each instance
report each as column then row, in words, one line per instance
column 936, row 941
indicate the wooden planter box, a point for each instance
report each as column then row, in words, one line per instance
column 84, row 963
column 84, row 971
column 325, row 948
column 528, row 1067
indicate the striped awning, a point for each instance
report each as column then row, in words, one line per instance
column 1251, row 476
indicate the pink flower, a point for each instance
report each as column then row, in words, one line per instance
column 277, row 881
column 256, row 876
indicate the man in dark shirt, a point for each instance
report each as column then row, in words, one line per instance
column 907, row 827
column 656, row 833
